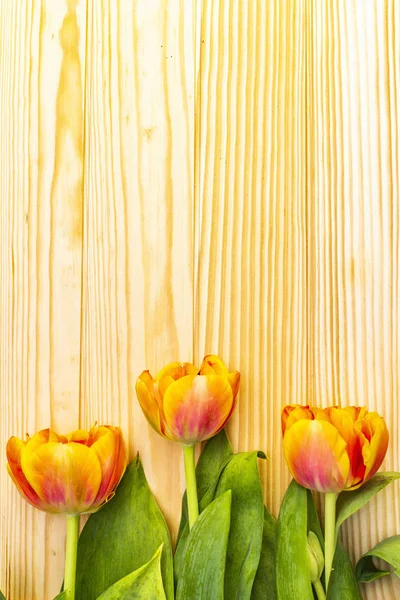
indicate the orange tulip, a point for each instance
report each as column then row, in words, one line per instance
column 71, row 474
column 186, row 404
column 333, row 449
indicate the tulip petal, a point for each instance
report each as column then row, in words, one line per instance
column 66, row 477
column 294, row 412
column 109, row 446
column 316, row 455
column 212, row 364
column 80, row 436
column 234, row 381
column 173, row 372
column 149, row 400
column 14, row 451
column 197, row 407
column 342, row 419
column 375, row 452
column 286, row 411
column 43, row 437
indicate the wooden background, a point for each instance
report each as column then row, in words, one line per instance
column 180, row 177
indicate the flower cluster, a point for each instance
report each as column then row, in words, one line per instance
column 330, row 450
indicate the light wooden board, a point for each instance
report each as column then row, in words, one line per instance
column 250, row 223
column 181, row 177
column 138, row 250
column 354, row 238
column 42, row 68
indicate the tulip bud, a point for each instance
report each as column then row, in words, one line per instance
column 315, row 557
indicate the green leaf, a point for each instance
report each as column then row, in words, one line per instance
column 123, row 536
column 61, row 596
column 350, row 502
column 343, row 583
column 205, row 553
column 2, row 597
column 292, row 575
column 387, row 550
column 264, row 586
column 238, row 473
column 245, row 537
column 179, row 564
column 143, row 584
column 216, row 453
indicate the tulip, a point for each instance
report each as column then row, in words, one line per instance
column 70, row 475
column 189, row 405
column 333, row 450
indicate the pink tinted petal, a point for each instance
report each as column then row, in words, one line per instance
column 65, row 476
column 196, row 407
column 316, row 455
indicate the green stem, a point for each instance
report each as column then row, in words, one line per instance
column 191, row 485
column 70, row 556
column 330, row 541
column 319, row 590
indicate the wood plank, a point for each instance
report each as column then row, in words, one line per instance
column 250, row 222
column 354, row 221
column 41, row 111
column 138, row 257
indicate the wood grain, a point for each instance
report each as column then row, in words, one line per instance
column 250, row 223
column 354, row 220
column 138, row 256
column 180, row 177
column 42, row 61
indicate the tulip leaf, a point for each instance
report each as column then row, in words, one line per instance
column 292, row 574
column 143, row 584
column 350, row 502
column 2, row 597
column 387, row 550
column 343, row 582
column 179, row 564
column 240, row 475
column 245, row 538
column 264, row 585
column 205, row 553
column 61, row 596
column 216, row 453
column 122, row 537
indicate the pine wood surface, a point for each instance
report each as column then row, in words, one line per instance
column 181, row 177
